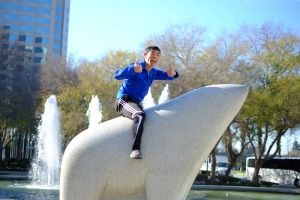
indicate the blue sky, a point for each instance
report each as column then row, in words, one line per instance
column 97, row 26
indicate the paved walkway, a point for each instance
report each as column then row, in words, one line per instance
column 290, row 189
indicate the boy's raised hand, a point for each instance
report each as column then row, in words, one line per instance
column 137, row 68
column 171, row 72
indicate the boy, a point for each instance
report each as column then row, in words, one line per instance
column 138, row 77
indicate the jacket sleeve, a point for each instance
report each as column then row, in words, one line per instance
column 125, row 73
column 162, row 75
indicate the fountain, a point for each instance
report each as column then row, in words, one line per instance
column 45, row 169
column 148, row 100
column 45, row 172
column 164, row 97
column 94, row 113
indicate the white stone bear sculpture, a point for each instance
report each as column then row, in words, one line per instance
column 178, row 136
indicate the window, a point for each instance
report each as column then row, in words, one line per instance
column 12, row 37
column 58, row 17
column 251, row 162
column 44, row 11
column 11, row 16
column 56, row 46
column 0, row 15
column 28, row 48
column 5, row 36
column 48, row 2
column 42, row 30
column 6, row 27
column 5, row 47
column 11, row 6
column 0, row 5
column 59, row 9
column 25, row 48
column 57, row 36
column 20, row 68
column 58, row 27
column 26, row 28
column 27, row 58
column 40, row 50
column 42, row 40
column 4, row 57
column 42, row 20
column 32, row 1
column 25, row 38
column 11, row 27
column 25, row 18
column 56, row 55
column 28, row 9
column 39, row 60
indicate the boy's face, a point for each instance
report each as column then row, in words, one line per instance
column 152, row 57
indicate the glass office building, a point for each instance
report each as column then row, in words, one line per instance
column 37, row 26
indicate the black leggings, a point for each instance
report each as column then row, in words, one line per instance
column 130, row 108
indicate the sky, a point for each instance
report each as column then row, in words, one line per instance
column 97, row 26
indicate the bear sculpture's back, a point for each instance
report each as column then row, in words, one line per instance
column 178, row 136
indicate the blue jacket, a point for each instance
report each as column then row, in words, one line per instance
column 137, row 85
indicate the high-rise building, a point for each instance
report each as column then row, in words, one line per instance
column 37, row 26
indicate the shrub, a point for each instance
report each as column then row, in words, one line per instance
column 227, row 180
column 15, row 164
column 201, row 179
column 249, row 184
column 267, row 184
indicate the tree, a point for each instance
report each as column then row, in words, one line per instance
column 226, row 60
column 58, row 77
column 18, row 87
column 182, row 45
column 296, row 146
column 97, row 78
column 213, row 164
column 75, row 85
column 203, row 62
column 272, row 106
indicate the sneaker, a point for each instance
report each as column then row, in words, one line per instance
column 136, row 154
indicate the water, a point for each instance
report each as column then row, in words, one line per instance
column 45, row 169
column 94, row 113
column 148, row 100
column 22, row 190
column 164, row 96
column 19, row 190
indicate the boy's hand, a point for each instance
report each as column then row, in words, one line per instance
column 171, row 72
column 137, row 68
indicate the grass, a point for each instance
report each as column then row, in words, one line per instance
column 239, row 172
column 216, row 194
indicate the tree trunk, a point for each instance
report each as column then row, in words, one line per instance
column 213, row 167
column 2, row 144
column 231, row 164
column 25, row 144
column 257, row 165
column 1, row 156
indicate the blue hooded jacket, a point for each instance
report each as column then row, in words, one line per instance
column 137, row 85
